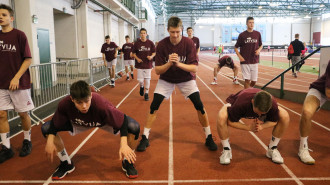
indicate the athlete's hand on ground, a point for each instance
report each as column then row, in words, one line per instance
column 258, row 127
column 50, row 150
column 14, row 84
column 128, row 153
column 257, row 52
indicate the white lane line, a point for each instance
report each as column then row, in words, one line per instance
column 262, row 144
column 163, row 181
column 49, row 180
column 170, row 147
column 319, row 124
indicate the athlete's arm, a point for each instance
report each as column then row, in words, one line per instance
column 258, row 50
column 105, row 62
column 187, row 67
column 136, row 58
column 151, row 56
column 163, row 68
column 198, row 50
column 125, row 150
column 14, row 83
column 241, row 59
column 327, row 92
column 267, row 124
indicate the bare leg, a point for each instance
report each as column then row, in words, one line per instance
column 247, row 84
column 4, row 125
column 26, row 120
column 203, row 119
column 310, row 106
column 282, row 124
column 253, row 83
column 132, row 143
column 222, row 125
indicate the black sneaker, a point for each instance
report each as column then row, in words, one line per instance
column 132, row 76
column 5, row 154
column 112, row 83
column 144, row 143
column 63, row 169
column 127, row 78
column 26, row 148
column 146, row 97
column 210, row 143
column 141, row 91
column 130, row 170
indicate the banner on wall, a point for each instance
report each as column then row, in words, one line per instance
column 231, row 32
column 226, row 34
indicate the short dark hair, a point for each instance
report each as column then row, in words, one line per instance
column 10, row 10
column 107, row 37
column 249, row 18
column 174, row 22
column 80, row 90
column 189, row 28
column 296, row 35
column 263, row 101
column 229, row 60
column 143, row 29
column 127, row 36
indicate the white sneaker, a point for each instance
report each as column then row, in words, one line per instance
column 225, row 157
column 275, row 156
column 305, row 157
column 214, row 83
column 235, row 81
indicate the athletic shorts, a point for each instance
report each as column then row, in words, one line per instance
column 129, row 62
column 19, row 100
column 250, row 71
column 76, row 129
column 321, row 97
column 143, row 73
column 166, row 88
column 112, row 63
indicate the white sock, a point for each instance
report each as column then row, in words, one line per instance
column 146, row 132
column 235, row 77
column 63, row 155
column 127, row 74
column 113, row 79
column 303, row 143
column 225, row 143
column 274, row 141
column 27, row 135
column 207, row 131
column 5, row 139
column 215, row 78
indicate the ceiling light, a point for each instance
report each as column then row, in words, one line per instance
column 318, row 18
column 267, row 14
column 293, row 14
column 322, row 5
column 228, row 7
column 307, row 17
column 289, row 6
column 273, row 4
column 260, row 7
column 217, row 15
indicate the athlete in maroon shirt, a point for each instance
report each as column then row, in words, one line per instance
column 128, row 59
column 228, row 62
column 318, row 94
column 176, row 64
column 109, row 52
column 190, row 33
column 250, row 45
column 144, row 52
column 255, row 104
column 83, row 110
column 15, row 59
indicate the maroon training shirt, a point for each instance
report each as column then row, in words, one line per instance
column 14, row 49
column 323, row 82
column 241, row 107
column 142, row 50
column 109, row 50
column 127, row 49
column 223, row 62
column 187, row 53
column 249, row 42
column 100, row 113
column 196, row 42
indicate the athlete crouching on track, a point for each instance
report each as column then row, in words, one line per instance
column 81, row 111
column 255, row 104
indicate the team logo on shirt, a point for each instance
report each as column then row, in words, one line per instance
column 127, row 47
column 83, row 123
column 109, row 49
column 143, row 48
column 7, row 47
column 250, row 40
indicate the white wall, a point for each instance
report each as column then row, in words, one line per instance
column 303, row 29
column 6, row 2
column 63, row 5
column 95, row 33
column 114, row 36
column 205, row 35
column 325, row 33
column 65, row 36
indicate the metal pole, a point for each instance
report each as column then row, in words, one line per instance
column 282, row 86
column 272, row 57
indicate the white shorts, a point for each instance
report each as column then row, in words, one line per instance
column 112, row 63
column 129, row 62
column 143, row 73
column 250, row 71
column 20, row 100
column 76, row 129
column 166, row 88
column 314, row 92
